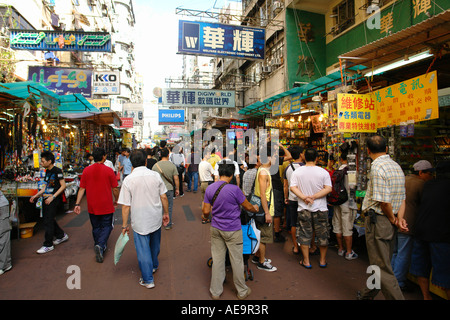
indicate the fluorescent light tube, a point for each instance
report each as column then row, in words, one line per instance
column 400, row 63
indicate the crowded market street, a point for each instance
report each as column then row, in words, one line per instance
column 183, row 273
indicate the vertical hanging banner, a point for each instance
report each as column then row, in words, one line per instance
column 413, row 99
column 213, row 39
column 357, row 113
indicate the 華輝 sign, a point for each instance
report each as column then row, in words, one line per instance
column 170, row 116
column 63, row 80
column 213, row 39
column 198, row 98
column 60, row 40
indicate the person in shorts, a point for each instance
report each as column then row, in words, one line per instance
column 343, row 219
column 311, row 184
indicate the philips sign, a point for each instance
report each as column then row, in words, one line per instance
column 170, row 117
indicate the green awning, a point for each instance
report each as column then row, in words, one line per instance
column 260, row 108
column 27, row 90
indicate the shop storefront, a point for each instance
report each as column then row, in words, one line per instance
column 33, row 119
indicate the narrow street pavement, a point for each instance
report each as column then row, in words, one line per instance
column 183, row 273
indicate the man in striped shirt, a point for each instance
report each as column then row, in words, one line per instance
column 385, row 198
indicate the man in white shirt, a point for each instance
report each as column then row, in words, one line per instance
column 206, row 175
column 311, row 184
column 228, row 159
column 144, row 192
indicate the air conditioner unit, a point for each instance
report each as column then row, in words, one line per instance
column 266, row 69
column 276, row 62
column 277, row 7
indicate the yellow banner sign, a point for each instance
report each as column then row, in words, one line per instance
column 414, row 99
column 101, row 104
column 357, row 113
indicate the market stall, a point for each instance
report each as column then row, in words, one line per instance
column 30, row 124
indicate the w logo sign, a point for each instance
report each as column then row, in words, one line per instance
column 191, row 42
column 190, row 36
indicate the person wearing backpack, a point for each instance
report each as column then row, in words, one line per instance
column 343, row 217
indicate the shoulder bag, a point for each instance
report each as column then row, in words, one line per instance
column 260, row 216
column 170, row 180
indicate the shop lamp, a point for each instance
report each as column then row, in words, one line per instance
column 400, row 63
column 317, row 98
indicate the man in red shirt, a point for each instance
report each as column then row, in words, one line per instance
column 98, row 180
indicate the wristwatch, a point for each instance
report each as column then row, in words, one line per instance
column 77, row 205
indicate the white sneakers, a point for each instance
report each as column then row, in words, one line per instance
column 150, row 285
column 58, row 241
column 45, row 249
column 7, row 269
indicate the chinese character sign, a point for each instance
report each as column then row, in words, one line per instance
column 198, row 98
column 213, row 39
column 357, row 113
column 414, row 99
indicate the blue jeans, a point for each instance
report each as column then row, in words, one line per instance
column 102, row 225
column 169, row 195
column 147, row 251
column 193, row 174
column 401, row 259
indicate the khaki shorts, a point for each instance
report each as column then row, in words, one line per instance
column 308, row 222
column 343, row 219
column 203, row 187
column 266, row 232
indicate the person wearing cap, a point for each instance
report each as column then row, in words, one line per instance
column 414, row 182
column 431, row 248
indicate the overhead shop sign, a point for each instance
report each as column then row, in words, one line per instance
column 134, row 111
column 357, row 113
column 213, row 39
column 170, row 117
column 127, row 122
column 51, row 40
column 413, row 99
column 106, row 82
column 63, row 80
column 287, row 104
column 104, row 105
column 198, row 98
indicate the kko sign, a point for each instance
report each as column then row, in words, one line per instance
column 106, row 82
column 213, row 39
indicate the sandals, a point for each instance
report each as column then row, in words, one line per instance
column 304, row 265
column 323, row 265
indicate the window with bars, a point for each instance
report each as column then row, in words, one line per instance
column 344, row 16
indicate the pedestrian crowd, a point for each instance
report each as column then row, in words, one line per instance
column 407, row 224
